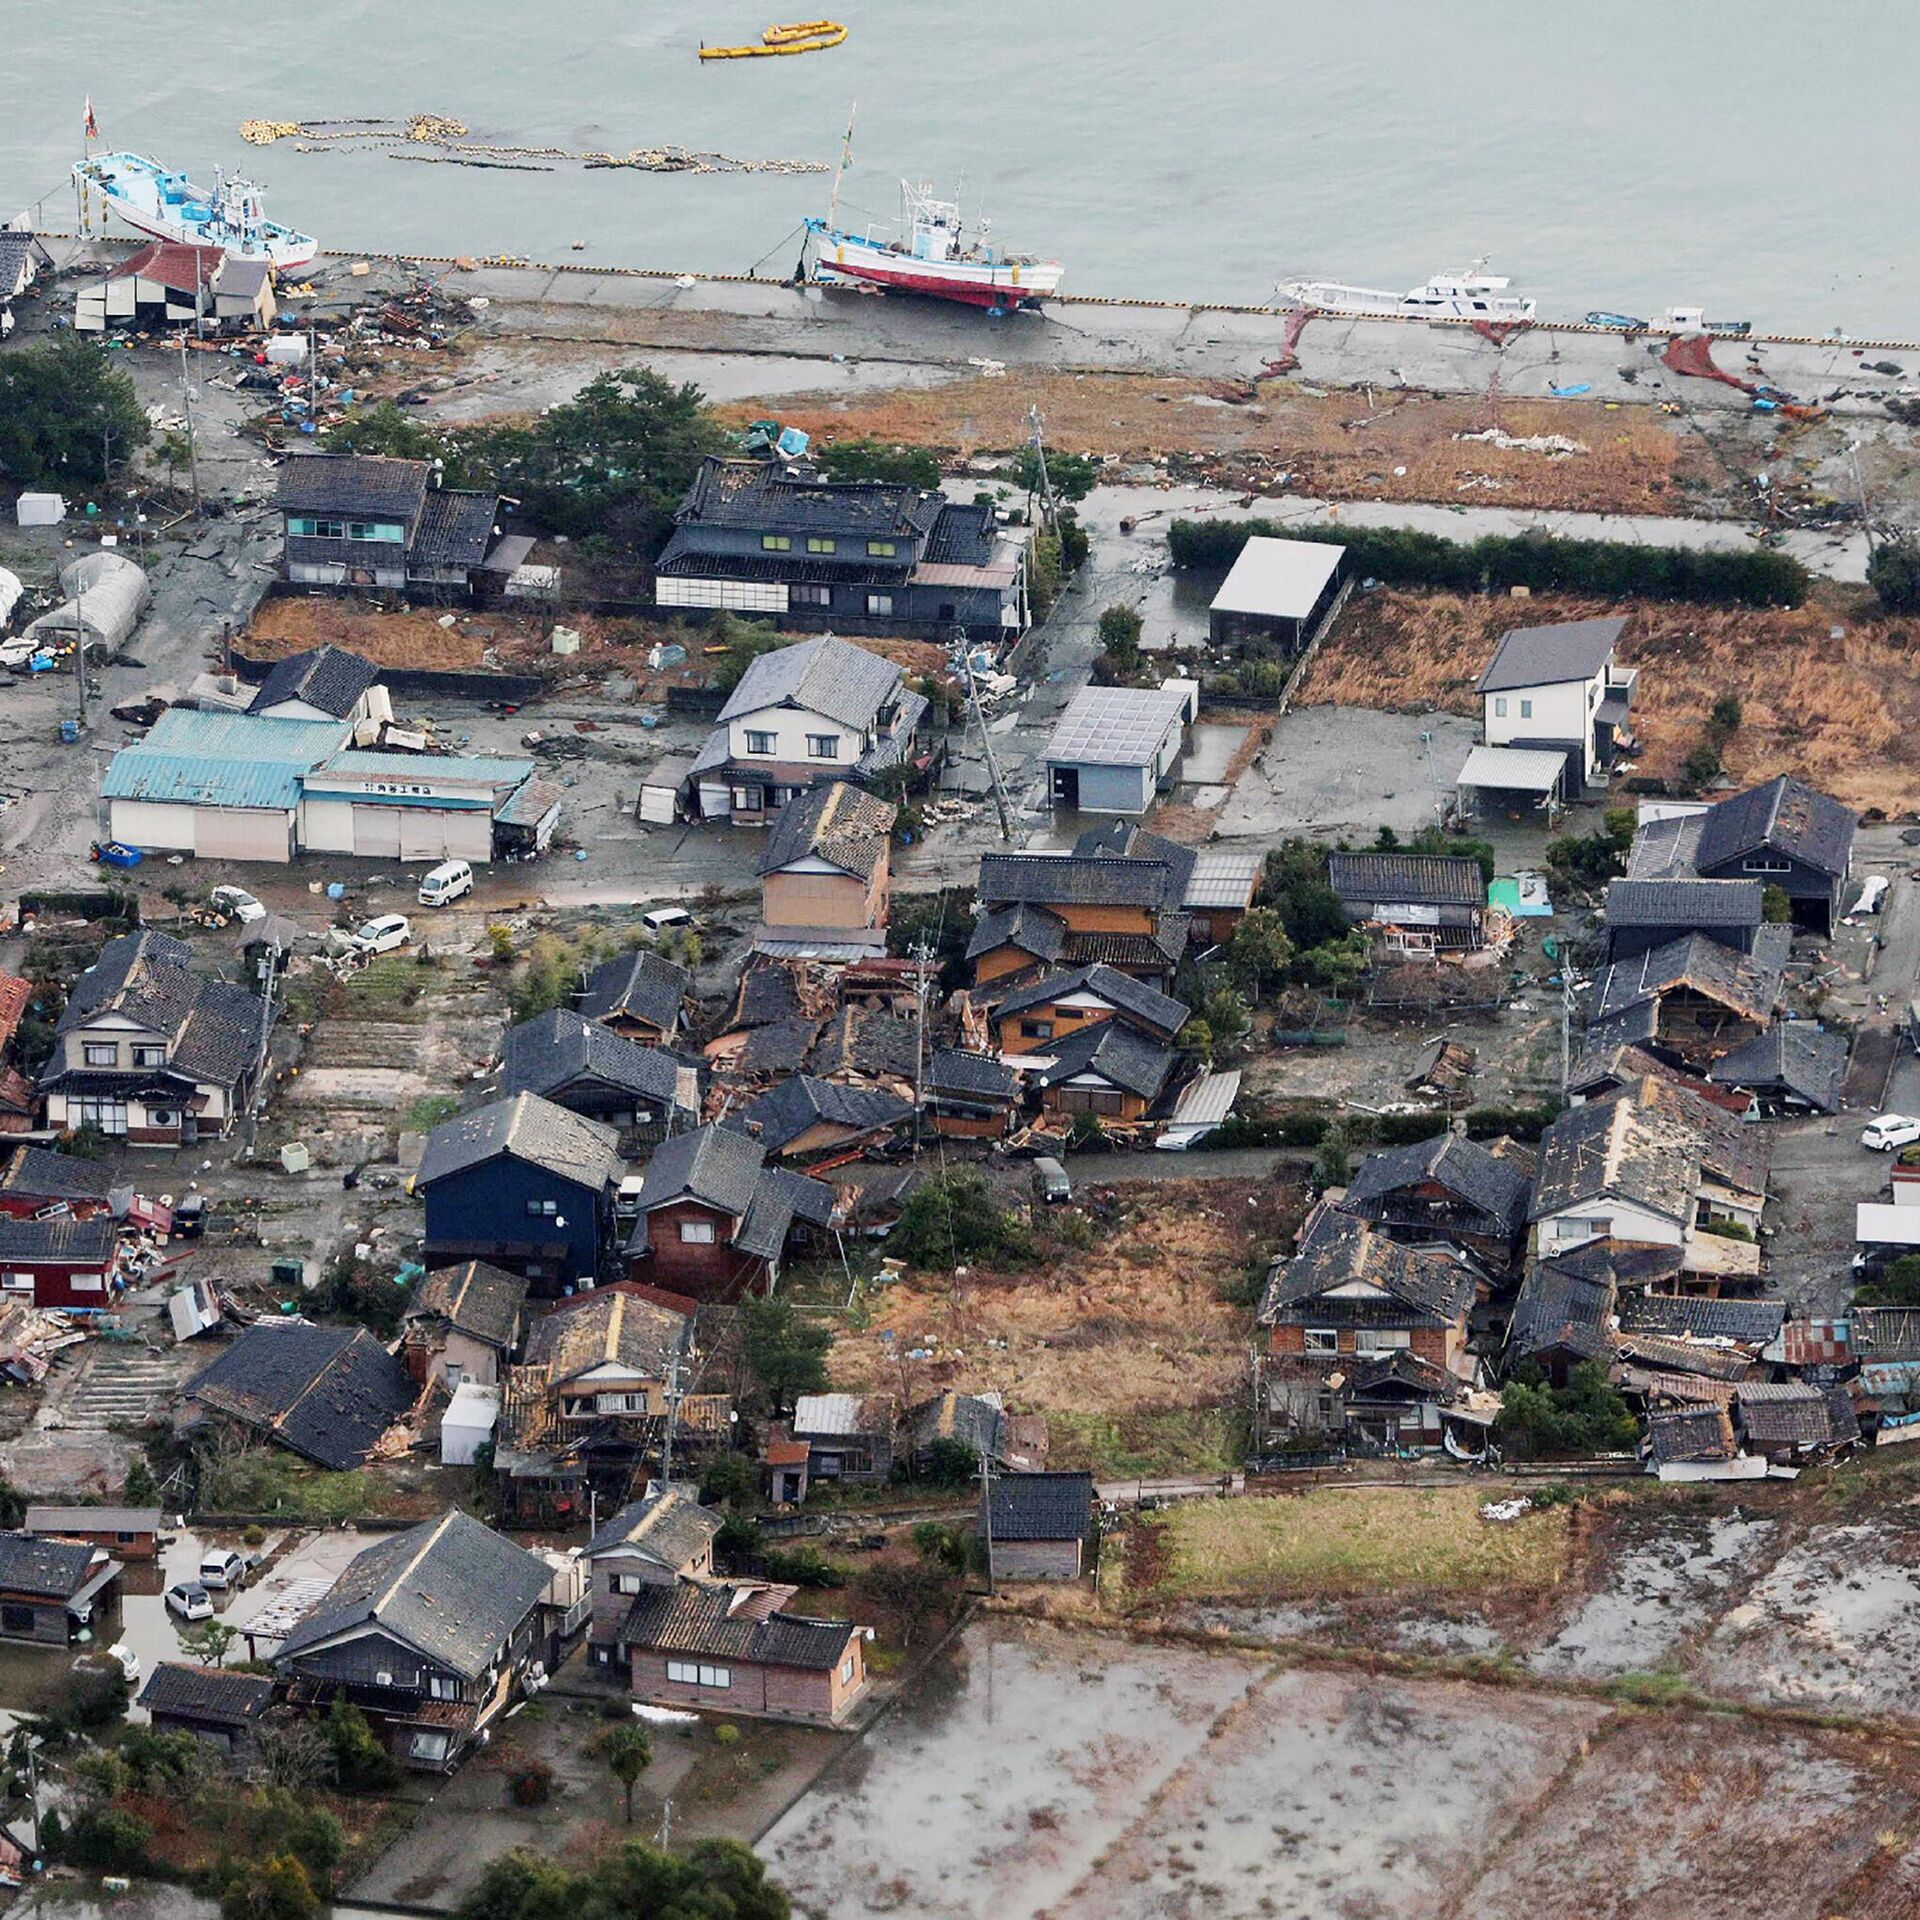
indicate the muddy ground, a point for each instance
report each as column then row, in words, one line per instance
column 1065, row 1773
column 1126, row 1339
column 1827, row 691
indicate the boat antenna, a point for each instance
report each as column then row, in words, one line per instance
column 845, row 161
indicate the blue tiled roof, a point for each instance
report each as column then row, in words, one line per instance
column 222, row 759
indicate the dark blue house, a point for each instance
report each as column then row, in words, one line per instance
column 523, row 1184
column 851, row 556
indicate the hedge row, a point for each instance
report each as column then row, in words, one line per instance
column 1743, row 576
column 1370, row 1130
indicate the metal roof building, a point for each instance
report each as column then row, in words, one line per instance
column 1278, row 590
column 1115, row 748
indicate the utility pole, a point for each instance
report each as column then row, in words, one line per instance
column 922, row 953
column 186, row 406
column 1568, row 986
column 673, row 1415
column 80, row 651
column 1860, row 487
column 986, row 739
column 986, row 1516
column 1050, row 513
column 1433, row 780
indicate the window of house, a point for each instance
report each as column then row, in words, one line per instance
column 125, row 1539
column 306, row 527
column 148, row 1055
column 818, row 543
column 623, row 1402
column 776, row 543
column 1499, row 706
column 376, row 530
column 746, row 800
column 823, row 746
column 760, row 742
column 880, row 603
column 1383, row 1340
column 163, row 1117
column 1036, row 1029
column 691, row 1673
column 100, row 1053
column 110, row 1116
column 431, row 1747
column 1766, row 863
column 626, row 1583
column 697, row 1233
column 846, row 1671
column 881, row 549
column 1526, row 709
column 443, row 1686
column 544, row 1209
column 1322, row 1340
column 16, row 1619
column 17, row 1282
column 809, row 596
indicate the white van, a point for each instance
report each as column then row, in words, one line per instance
column 446, row 883
column 659, row 919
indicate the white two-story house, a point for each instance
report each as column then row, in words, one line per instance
column 150, row 1051
column 1558, row 689
column 816, row 711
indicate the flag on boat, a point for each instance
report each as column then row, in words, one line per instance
column 91, row 130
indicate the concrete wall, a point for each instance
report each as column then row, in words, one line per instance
column 1038, row 1559
column 1127, row 791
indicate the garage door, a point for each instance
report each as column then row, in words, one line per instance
column 242, row 834
column 422, row 834
column 376, row 832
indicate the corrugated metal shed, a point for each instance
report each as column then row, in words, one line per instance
column 222, row 760
column 1516, row 769
column 1117, row 726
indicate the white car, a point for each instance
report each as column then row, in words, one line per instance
column 1890, row 1130
column 383, row 933
column 237, row 904
column 129, row 1661
column 190, row 1600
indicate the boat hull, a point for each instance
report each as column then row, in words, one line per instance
column 168, row 207
column 285, row 258
column 973, row 283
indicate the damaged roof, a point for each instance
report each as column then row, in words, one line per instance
column 1557, row 1311
column 836, row 823
column 1132, row 999
column 723, row 1620
column 326, row 1393
column 1796, row 1057
column 1748, row 1323
column 608, row 1326
column 329, row 678
column 1350, row 1275
column 1742, row 983
column 1783, row 816
column 451, row 1589
column 789, row 1110
column 43, row 1569
column 664, row 1526
column 1115, row 1052
column 1411, row 879
column 1466, row 1169
column 559, row 1048
column 640, row 983
column 865, row 1040
column 1677, row 1434
column 524, row 1127
column 484, row 1302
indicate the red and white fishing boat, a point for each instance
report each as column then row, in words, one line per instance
column 933, row 256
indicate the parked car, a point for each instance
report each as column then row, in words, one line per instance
column 1890, row 1130
column 221, row 1568
column 383, row 933
column 657, row 920
column 446, row 884
column 190, row 1600
column 237, row 904
column 1051, row 1182
column 129, row 1661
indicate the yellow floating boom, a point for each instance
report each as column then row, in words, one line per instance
column 799, row 36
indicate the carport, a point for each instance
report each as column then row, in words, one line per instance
column 1514, row 780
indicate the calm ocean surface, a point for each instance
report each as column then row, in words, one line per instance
column 1760, row 161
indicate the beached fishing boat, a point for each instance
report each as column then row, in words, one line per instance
column 1473, row 295
column 933, row 257
column 170, row 207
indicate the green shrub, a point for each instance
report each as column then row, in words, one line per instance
column 1745, row 576
column 109, row 1840
column 361, row 1764
column 1893, row 572
column 1517, row 1123
column 953, row 1220
column 1587, row 1415
column 804, row 1566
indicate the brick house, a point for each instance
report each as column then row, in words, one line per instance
column 1363, row 1338
column 1039, row 912
column 715, row 1220
column 657, row 1541
column 51, row 1591
column 728, row 1647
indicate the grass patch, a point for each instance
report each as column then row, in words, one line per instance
column 1660, row 1687
column 1172, row 1440
column 392, row 986
column 429, row 1110
column 1337, row 1540
column 263, row 1482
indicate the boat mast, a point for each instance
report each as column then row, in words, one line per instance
column 845, row 161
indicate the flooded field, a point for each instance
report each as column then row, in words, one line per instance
column 1089, row 1778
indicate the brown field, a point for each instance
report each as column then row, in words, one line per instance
column 1394, row 446
column 1126, row 1346
column 1842, row 713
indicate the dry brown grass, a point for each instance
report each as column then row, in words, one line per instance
column 1394, row 446
column 1133, row 1326
column 1842, row 713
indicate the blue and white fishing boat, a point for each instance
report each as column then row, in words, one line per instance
column 170, row 207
